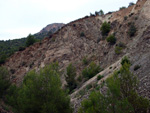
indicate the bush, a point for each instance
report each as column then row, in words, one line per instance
column 89, row 86
column 121, row 44
column 118, row 50
column 30, row 40
column 85, row 61
column 125, row 60
column 136, row 18
column 99, row 77
column 105, row 28
column 131, row 14
column 21, row 48
column 70, row 77
column 95, row 104
column 122, row 8
column 119, row 47
column 136, row 67
column 125, row 17
column 111, row 39
column 91, row 71
column 79, row 79
column 3, row 59
column 4, row 80
column 131, row 4
column 11, row 97
column 42, row 93
column 74, row 25
column 96, row 13
column 82, row 34
column 101, row 12
column 132, row 30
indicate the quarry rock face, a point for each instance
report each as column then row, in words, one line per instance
column 82, row 38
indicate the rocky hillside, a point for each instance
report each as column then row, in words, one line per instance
column 48, row 30
column 8, row 47
column 82, row 38
column 52, row 27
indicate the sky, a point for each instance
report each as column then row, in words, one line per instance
column 19, row 18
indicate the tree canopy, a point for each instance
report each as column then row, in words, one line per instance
column 30, row 40
column 40, row 93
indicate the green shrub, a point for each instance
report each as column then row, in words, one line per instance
column 132, row 30
column 119, row 47
column 30, row 40
column 122, row 8
column 101, row 12
column 95, row 104
column 91, row 71
column 70, row 77
column 3, row 59
column 111, row 39
column 131, row 4
column 82, row 34
column 12, row 71
column 136, row 67
column 82, row 92
column 85, row 61
column 79, row 79
column 131, row 14
column 121, row 44
column 4, row 80
column 89, row 86
column 21, row 48
column 125, row 60
column 99, row 77
column 97, row 88
column 136, row 18
column 125, row 17
column 105, row 28
column 74, row 25
column 96, row 13
column 118, row 50
column 11, row 97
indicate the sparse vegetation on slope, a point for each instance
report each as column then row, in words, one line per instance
column 121, row 95
column 111, row 39
column 70, row 77
column 91, row 70
column 105, row 28
column 132, row 30
column 85, row 61
column 119, row 47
